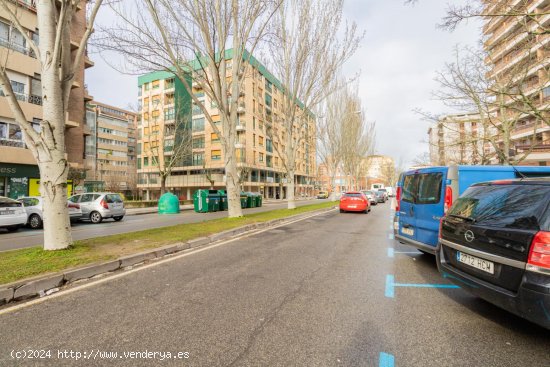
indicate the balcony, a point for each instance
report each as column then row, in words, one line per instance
column 241, row 108
column 88, row 63
column 15, row 47
column 240, row 144
column 240, row 128
column 37, row 100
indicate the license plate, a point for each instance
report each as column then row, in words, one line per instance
column 7, row 212
column 353, row 206
column 407, row 231
column 476, row 262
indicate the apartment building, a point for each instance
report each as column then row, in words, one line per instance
column 19, row 173
column 110, row 149
column 169, row 118
column 519, row 55
column 458, row 139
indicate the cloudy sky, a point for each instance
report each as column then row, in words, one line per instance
column 398, row 58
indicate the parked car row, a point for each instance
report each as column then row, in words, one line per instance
column 491, row 238
column 361, row 201
column 82, row 207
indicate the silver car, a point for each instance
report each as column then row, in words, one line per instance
column 34, row 209
column 97, row 206
column 12, row 214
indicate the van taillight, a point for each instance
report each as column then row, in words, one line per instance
column 398, row 198
column 539, row 255
column 104, row 204
column 448, row 198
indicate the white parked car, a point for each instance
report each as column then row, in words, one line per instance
column 33, row 207
column 12, row 214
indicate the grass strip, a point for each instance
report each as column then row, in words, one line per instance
column 29, row 262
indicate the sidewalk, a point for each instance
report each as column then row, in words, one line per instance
column 154, row 209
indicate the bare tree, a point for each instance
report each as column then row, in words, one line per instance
column 58, row 68
column 502, row 101
column 358, row 139
column 189, row 38
column 170, row 145
column 306, row 54
column 329, row 135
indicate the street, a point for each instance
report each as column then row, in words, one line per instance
column 331, row 290
column 26, row 237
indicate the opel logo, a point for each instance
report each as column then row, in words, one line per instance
column 469, row 236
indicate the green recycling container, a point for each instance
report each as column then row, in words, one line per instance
column 243, row 200
column 200, row 201
column 223, row 200
column 213, row 201
column 250, row 200
column 168, row 204
column 258, row 198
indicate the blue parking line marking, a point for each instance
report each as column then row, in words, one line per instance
column 390, row 290
column 390, row 286
column 386, row 360
column 450, row 286
column 390, row 252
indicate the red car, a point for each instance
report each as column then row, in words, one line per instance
column 354, row 201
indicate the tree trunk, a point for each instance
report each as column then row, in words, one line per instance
column 52, row 164
column 162, row 184
column 290, row 191
column 53, row 188
column 233, row 190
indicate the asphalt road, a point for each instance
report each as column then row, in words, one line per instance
column 26, row 237
column 312, row 293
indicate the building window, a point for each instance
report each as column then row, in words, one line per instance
column 156, row 84
column 169, row 113
column 155, row 115
column 146, row 161
column 214, row 138
column 546, row 92
column 198, row 142
column 169, row 83
column 196, row 110
column 261, row 157
column 146, row 86
column 216, row 155
column 261, row 140
column 198, row 125
column 198, row 159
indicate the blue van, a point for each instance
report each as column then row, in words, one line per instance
column 425, row 194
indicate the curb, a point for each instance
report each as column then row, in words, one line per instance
column 43, row 286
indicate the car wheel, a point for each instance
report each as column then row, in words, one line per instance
column 119, row 218
column 366, row 211
column 95, row 217
column 35, row 222
column 341, row 210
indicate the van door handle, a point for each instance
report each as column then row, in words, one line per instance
column 411, row 212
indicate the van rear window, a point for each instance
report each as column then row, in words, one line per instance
column 510, row 206
column 409, row 189
column 429, row 188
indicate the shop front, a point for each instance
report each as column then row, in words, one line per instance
column 18, row 180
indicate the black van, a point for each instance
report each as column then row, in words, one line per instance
column 495, row 243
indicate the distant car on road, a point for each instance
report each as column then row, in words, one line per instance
column 322, row 195
column 385, row 192
column 494, row 242
column 34, row 207
column 354, row 201
column 97, row 206
column 371, row 196
column 12, row 214
column 380, row 196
